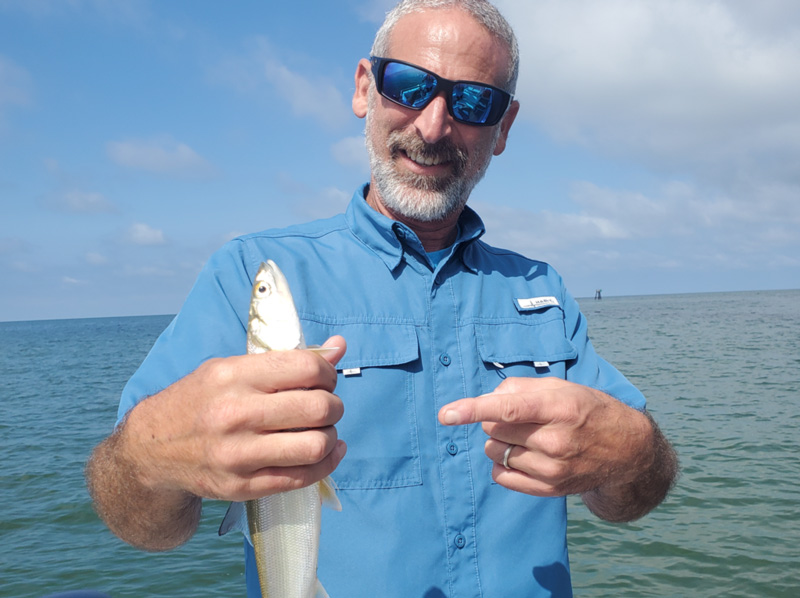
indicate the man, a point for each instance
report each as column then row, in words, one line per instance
column 431, row 315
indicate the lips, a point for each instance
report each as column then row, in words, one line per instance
column 427, row 155
column 424, row 159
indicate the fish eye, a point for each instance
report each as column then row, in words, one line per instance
column 263, row 289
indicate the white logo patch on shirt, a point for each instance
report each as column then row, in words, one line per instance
column 536, row 302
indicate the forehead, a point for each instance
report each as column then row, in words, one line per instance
column 451, row 43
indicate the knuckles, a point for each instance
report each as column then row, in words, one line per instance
column 220, row 372
column 320, row 408
column 312, row 370
column 320, row 445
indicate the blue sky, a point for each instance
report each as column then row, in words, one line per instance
column 657, row 149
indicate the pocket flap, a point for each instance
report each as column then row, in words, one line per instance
column 372, row 344
column 539, row 339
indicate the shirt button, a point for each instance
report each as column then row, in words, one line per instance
column 460, row 541
column 445, row 359
column 452, row 448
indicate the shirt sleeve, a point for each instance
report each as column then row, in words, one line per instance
column 589, row 368
column 211, row 323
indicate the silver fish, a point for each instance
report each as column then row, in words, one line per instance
column 283, row 528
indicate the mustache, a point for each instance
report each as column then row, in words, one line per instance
column 443, row 150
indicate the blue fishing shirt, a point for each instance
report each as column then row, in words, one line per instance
column 421, row 516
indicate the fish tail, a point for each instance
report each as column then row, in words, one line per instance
column 320, row 591
column 327, row 493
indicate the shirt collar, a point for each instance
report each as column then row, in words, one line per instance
column 387, row 237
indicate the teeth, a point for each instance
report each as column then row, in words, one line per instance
column 424, row 160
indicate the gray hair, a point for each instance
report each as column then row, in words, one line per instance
column 482, row 11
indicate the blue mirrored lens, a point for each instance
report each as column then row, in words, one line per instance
column 472, row 103
column 411, row 86
column 408, row 85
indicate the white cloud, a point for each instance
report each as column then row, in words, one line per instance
column 11, row 245
column 95, row 259
column 311, row 203
column 687, row 84
column 143, row 234
column 304, row 93
column 128, row 11
column 84, row 202
column 229, row 236
column 374, row 11
column 25, row 266
column 260, row 71
column 149, row 271
column 162, row 155
column 15, row 86
column 678, row 225
column 15, row 83
column 351, row 151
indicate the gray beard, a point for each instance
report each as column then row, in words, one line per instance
column 418, row 197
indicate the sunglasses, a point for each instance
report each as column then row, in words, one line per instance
column 413, row 87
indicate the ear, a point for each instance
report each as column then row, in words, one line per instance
column 361, row 94
column 505, row 127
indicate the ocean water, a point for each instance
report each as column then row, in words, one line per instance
column 721, row 372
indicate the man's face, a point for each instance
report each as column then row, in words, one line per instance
column 424, row 163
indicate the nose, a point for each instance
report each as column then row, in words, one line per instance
column 434, row 121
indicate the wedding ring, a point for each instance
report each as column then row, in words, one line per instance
column 505, row 456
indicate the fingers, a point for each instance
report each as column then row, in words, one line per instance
column 545, row 421
column 526, row 470
column 495, row 407
column 280, row 449
column 262, row 421
column 273, row 371
column 532, row 400
column 288, row 410
column 270, row 480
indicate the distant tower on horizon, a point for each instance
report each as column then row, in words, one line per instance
column 598, row 294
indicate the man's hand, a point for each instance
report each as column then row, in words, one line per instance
column 236, row 428
column 571, row 439
column 241, row 427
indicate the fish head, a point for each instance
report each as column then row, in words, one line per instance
column 273, row 324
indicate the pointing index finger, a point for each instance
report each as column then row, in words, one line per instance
column 499, row 406
column 491, row 407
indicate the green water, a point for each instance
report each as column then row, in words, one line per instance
column 721, row 372
column 722, row 375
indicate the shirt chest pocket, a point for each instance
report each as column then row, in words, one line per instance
column 534, row 345
column 376, row 384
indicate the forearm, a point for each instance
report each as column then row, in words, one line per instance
column 655, row 473
column 145, row 517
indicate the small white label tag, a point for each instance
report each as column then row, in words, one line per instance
column 541, row 364
column 536, row 302
column 352, row 371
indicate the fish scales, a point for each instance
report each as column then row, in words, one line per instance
column 285, row 533
column 283, row 528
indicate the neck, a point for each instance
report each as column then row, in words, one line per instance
column 434, row 235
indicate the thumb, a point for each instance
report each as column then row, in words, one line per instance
column 333, row 349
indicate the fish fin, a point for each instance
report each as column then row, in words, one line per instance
column 235, row 519
column 327, row 492
column 322, row 350
column 320, row 592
